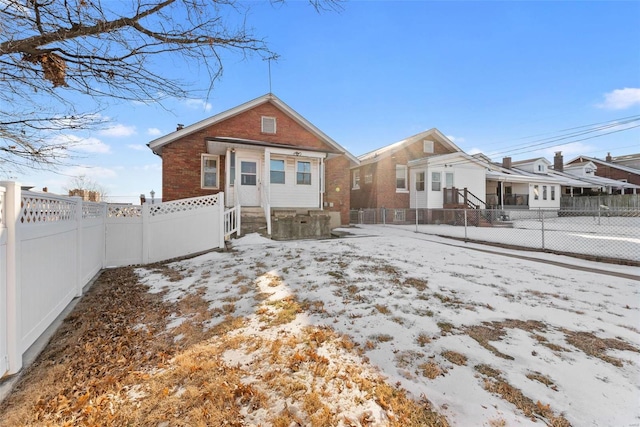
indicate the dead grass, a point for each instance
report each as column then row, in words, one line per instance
column 455, row 357
column 430, row 370
column 115, row 363
column 541, row 378
column 495, row 331
column 494, row 383
column 597, row 347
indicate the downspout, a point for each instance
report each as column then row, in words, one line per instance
column 322, row 181
column 267, row 181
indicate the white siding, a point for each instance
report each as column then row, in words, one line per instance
column 292, row 195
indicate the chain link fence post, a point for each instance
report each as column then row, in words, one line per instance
column 542, row 219
column 465, row 225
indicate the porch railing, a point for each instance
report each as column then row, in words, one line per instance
column 509, row 200
column 232, row 221
column 462, row 196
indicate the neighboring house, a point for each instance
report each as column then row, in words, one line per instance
column 611, row 170
column 524, row 184
column 628, row 160
column 261, row 154
column 452, row 180
column 382, row 178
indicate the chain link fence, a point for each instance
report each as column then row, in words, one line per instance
column 604, row 234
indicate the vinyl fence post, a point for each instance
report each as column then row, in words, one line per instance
column 221, row 220
column 465, row 225
column 79, row 248
column 12, row 201
column 146, row 238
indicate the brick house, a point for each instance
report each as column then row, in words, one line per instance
column 261, row 154
column 612, row 169
column 382, row 178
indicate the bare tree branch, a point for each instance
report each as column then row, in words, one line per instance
column 52, row 50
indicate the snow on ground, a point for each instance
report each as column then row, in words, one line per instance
column 613, row 237
column 433, row 315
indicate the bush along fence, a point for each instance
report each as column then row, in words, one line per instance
column 52, row 246
column 603, row 234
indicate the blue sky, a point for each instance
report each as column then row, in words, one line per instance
column 503, row 78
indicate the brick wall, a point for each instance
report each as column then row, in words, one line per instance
column 382, row 192
column 181, row 159
column 337, row 187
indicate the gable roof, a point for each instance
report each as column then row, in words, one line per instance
column 531, row 161
column 157, row 144
column 386, row 151
column 583, row 159
column 457, row 158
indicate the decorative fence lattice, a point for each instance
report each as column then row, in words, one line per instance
column 38, row 208
column 124, row 211
column 184, row 205
column 92, row 210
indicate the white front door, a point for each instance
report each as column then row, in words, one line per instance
column 249, row 185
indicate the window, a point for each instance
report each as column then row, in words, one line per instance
column 232, row 168
column 268, row 125
column 536, row 192
column 544, row 192
column 553, row 192
column 420, row 181
column 303, row 175
column 448, row 180
column 277, row 171
column 248, row 173
column 368, row 178
column 356, row 179
column 209, row 171
column 401, row 177
column 399, row 215
column 436, row 184
column 427, row 146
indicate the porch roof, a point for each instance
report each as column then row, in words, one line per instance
column 507, row 177
column 219, row 144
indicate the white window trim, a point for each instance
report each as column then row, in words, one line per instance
column 439, row 180
column 424, row 181
column 209, row 156
column 284, row 171
column 406, row 179
column 263, row 128
column 355, row 180
column 310, row 172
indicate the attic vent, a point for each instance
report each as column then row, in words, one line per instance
column 427, row 146
column 268, row 125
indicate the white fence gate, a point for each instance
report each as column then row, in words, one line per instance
column 52, row 246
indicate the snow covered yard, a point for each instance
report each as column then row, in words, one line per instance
column 609, row 237
column 465, row 329
column 333, row 332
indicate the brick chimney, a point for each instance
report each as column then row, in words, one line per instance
column 506, row 162
column 558, row 162
column 608, row 159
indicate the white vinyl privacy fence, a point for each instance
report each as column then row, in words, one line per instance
column 52, row 246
